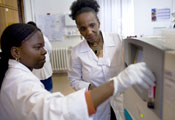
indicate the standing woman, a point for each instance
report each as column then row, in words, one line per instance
column 98, row 58
column 23, row 96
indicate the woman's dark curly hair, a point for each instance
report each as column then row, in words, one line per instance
column 81, row 6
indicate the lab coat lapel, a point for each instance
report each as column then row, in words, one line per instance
column 108, row 42
column 87, row 50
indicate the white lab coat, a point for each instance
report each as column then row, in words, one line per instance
column 86, row 68
column 23, row 97
column 46, row 71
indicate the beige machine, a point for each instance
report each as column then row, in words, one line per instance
column 157, row 103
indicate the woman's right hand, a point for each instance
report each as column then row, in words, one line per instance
column 137, row 73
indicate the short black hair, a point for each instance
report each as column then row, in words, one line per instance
column 32, row 23
column 81, row 6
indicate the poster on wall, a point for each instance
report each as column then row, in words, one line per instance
column 52, row 25
column 160, row 14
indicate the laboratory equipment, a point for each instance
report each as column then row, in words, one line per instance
column 157, row 103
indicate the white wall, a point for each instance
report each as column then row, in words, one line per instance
column 28, row 10
column 142, row 15
column 52, row 6
column 32, row 8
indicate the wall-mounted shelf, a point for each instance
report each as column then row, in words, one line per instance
column 69, row 22
column 73, row 35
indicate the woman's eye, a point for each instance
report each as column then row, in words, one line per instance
column 82, row 29
column 92, row 25
column 37, row 47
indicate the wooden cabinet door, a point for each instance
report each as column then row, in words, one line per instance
column 9, row 17
column 2, row 20
column 11, row 3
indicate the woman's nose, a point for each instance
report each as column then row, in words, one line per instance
column 89, row 31
column 44, row 51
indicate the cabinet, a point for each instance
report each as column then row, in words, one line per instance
column 9, row 3
column 8, row 13
column 11, row 16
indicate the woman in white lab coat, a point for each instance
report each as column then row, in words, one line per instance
column 22, row 95
column 45, row 73
column 100, row 55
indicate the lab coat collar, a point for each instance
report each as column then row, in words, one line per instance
column 15, row 64
column 107, row 42
column 84, row 46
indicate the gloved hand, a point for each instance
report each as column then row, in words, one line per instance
column 134, row 74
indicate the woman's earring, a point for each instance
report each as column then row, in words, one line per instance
column 17, row 59
column 81, row 37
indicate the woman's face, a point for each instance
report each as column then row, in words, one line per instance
column 88, row 25
column 32, row 52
